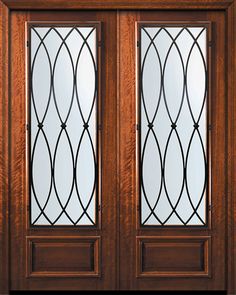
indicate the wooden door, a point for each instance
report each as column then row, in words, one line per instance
column 100, row 190
column 157, row 253
column 50, row 248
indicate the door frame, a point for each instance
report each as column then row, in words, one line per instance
column 7, row 6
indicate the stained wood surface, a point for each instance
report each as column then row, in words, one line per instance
column 129, row 180
column 118, row 125
column 117, row 4
column 231, row 150
column 4, row 146
column 19, row 185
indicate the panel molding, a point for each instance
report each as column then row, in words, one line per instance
column 184, row 241
column 57, row 241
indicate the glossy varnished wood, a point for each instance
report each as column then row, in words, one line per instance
column 129, row 180
column 63, row 257
column 127, row 148
column 189, row 256
column 231, row 149
column 107, row 231
column 117, row 4
column 4, row 155
column 119, row 126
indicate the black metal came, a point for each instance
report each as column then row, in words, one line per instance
column 52, row 152
column 173, row 124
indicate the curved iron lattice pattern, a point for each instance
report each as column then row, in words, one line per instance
column 63, row 161
column 173, row 85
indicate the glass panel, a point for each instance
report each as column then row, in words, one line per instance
column 173, row 85
column 63, row 135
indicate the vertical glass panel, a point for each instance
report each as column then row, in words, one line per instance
column 63, row 124
column 173, row 85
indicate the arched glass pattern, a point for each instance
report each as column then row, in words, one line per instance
column 63, row 78
column 173, row 117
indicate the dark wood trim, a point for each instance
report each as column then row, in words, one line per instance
column 118, row 65
column 127, row 148
column 4, row 148
column 117, row 4
column 231, row 150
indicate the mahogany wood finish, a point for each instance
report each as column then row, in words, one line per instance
column 231, row 149
column 113, row 253
column 4, row 149
column 117, row 4
column 171, row 256
column 60, row 257
column 130, row 228
column 103, row 276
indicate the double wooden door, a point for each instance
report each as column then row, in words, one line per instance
column 120, row 237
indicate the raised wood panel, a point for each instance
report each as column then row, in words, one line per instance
column 173, row 256
column 63, row 257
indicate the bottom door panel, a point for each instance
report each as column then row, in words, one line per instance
column 173, row 256
column 63, row 257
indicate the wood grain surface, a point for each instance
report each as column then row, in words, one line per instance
column 4, row 150
column 119, row 228
column 117, row 4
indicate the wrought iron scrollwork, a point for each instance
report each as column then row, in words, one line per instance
column 149, row 128
column 84, row 203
